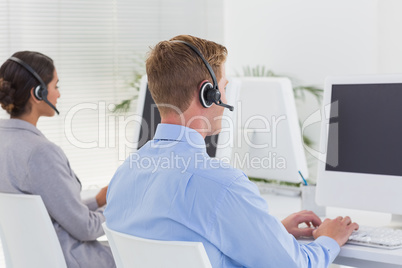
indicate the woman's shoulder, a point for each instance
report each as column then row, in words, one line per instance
column 24, row 137
column 43, row 146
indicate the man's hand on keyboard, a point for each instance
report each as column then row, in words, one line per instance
column 339, row 229
column 292, row 222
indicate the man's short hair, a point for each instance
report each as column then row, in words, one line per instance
column 175, row 71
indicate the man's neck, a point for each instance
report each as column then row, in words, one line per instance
column 199, row 125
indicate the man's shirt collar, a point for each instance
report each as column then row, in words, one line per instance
column 179, row 133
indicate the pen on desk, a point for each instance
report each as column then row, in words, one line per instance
column 304, row 180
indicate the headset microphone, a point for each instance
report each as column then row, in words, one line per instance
column 209, row 93
column 230, row 107
column 40, row 92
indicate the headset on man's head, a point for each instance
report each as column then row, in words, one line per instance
column 209, row 93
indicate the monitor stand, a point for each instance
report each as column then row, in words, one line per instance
column 396, row 221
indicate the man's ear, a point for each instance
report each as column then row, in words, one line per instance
column 33, row 96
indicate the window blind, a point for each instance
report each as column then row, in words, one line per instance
column 97, row 47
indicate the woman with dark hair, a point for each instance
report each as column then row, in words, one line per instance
column 31, row 164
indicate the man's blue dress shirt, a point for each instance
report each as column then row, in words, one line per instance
column 172, row 190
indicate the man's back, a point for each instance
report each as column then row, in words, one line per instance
column 167, row 191
column 171, row 190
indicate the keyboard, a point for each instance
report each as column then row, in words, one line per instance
column 378, row 237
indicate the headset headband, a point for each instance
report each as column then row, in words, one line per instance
column 29, row 69
column 211, row 72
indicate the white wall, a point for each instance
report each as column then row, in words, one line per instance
column 307, row 39
column 389, row 36
column 311, row 39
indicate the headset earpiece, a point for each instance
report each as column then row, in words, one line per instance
column 208, row 94
column 38, row 92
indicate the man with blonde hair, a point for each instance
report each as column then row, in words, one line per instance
column 199, row 198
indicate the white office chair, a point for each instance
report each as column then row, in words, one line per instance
column 27, row 233
column 131, row 251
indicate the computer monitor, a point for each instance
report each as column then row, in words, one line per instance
column 268, row 141
column 360, row 163
column 218, row 146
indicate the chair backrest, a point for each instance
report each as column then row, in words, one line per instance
column 27, row 234
column 131, row 251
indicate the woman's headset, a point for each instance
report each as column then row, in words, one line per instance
column 209, row 93
column 40, row 92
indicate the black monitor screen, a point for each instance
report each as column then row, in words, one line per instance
column 365, row 131
column 151, row 118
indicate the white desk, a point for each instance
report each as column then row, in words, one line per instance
column 350, row 255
